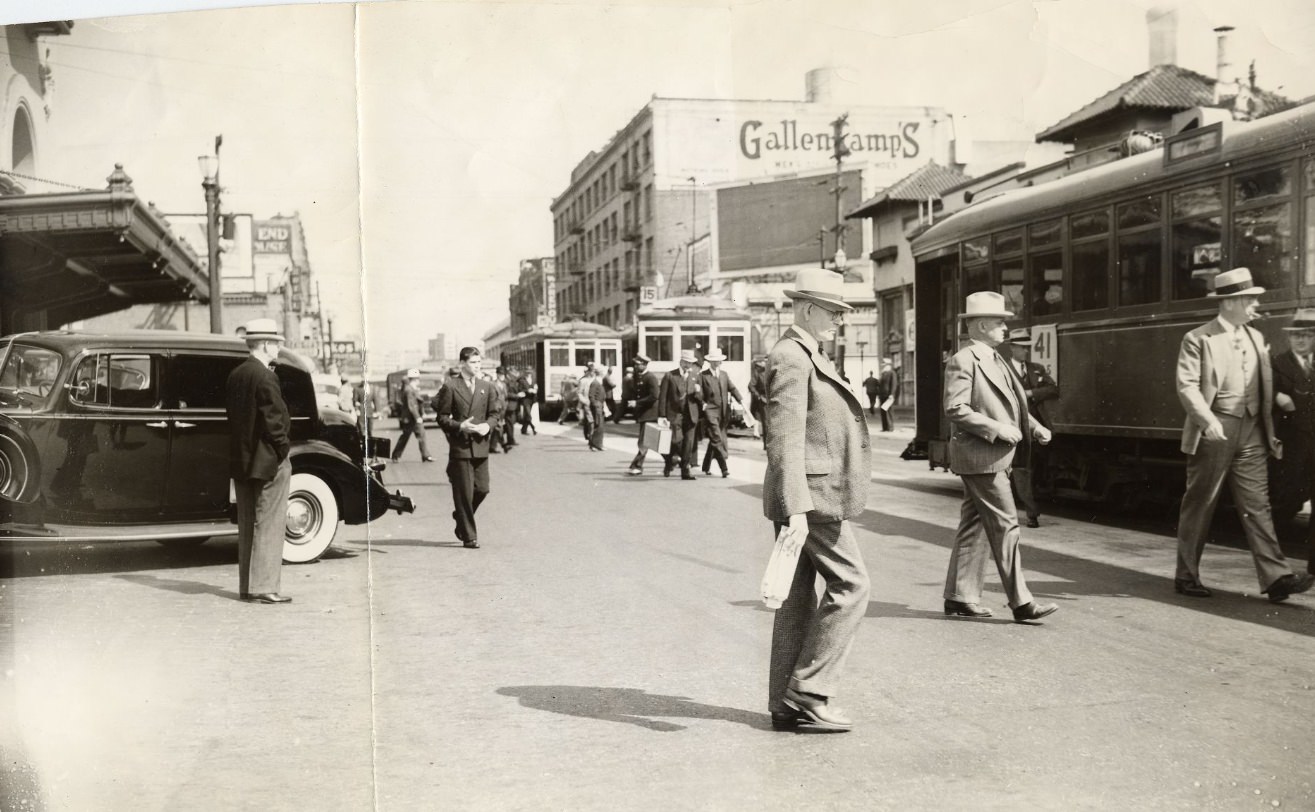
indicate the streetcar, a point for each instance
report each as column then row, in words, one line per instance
column 665, row 327
column 560, row 351
column 1110, row 267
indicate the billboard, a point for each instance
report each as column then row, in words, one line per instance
column 776, row 223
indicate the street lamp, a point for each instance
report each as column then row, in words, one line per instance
column 209, row 165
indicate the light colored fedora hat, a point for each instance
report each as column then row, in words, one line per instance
column 715, row 355
column 1302, row 320
column 1020, row 335
column 1236, row 282
column 985, row 304
column 413, row 373
column 688, row 357
column 822, row 286
column 262, row 330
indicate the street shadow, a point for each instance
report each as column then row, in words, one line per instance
column 40, row 559
column 179, row 586
column 631, row 706
column 416, row 543
column 892, row 610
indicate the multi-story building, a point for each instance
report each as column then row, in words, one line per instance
column 637, row 213
column 533, row 299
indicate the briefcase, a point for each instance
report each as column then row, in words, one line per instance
column 656, row 438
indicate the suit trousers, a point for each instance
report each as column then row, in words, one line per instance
column 718, row 445
column 262, row 515
column 810, row 637
column 1242, row 459
column 1021, row 479
column 470, row 485
column 988, row 529
column 638, row 461
column 408, row 428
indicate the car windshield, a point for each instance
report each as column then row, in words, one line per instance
column 29, row 374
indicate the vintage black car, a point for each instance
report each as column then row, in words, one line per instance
column 124, row 437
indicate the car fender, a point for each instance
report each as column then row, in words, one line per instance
column 20, row 465
column 361, row 496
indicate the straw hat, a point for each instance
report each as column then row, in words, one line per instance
column 985, row 304
column 822, row 286
column 1236, row 282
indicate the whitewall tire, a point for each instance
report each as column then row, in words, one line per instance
column 312, row 519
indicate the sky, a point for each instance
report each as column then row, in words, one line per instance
column 424, row 141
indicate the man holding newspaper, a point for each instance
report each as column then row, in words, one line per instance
column 818, row 467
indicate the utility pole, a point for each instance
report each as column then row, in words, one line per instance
column 840, row 151
column 690, row 289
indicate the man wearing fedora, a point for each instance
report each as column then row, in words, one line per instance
column 1039, row 388
column 259, row 426
column 1291, row 477
column 679, row 402
column 646, row 390
column 819, row 463
column 411, row 417
column 718, row 390
column 1225, row 384
column 988, row 407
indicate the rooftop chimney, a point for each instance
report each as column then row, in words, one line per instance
column 1162, row 30
column 1225, row 81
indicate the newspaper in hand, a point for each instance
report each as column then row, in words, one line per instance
column 781, row 567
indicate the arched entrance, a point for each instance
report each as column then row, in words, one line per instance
column 24, row 158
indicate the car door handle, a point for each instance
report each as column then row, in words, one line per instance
column 159, row 424
column 181, row 425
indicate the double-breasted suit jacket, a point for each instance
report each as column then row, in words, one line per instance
column 718, row 391
column 1290, row 478
column 458, row 401
column 981, row 398
column 647, row 390
column 819, row 455
column 1203, row 358
column 681, row 397
column 258, row 421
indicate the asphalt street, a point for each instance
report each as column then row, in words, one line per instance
column 606, row 649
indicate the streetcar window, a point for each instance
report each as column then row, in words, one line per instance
column 1197, row 201
column 1309, row 278
column 559, row 356
column 607, row 356
column 1196, row 254
column 697, row 341
column 975, row 278
column 1009, row 242
column 1142, row 212
column 1047, row 283
column 1139, row 267
column 1046, row 233
column 1089, row 224
column 583, row 355
column 976, row 250
column 1011, row 284
column 732, row 347
column 658, row 347
column 1262, row 241
column 1090, row 275
column 1273, row 182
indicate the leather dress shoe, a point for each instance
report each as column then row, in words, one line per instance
column 962, row 609
column 816, row 712
column 1034, row 611
column 707, row 472
column 787, row 719
column 1289, row 585
column 1032, row 521
column 725, row 472
column 635, row 471
column 470, row 544
column 687, row 475
column 268, row 597
column 1191, row 589
column 426, row 459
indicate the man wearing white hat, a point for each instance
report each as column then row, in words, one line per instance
column 819, row 463
column 1225, row 384
column 718, row 390
column 411, row 418
column 679, row 402
column 259, row 443
column 988, row 407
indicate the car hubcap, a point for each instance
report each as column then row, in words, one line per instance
column 303, row 518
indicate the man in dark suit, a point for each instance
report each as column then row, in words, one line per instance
column 887, row 391
column 597, row 406
column 819, row 462
column 467, row 411
column 1039, row 388
column 259, row 443
column 986, row 404
column 411, row 417
column 1292, row 476
column 718, row 391
column 679, row 403
column 646, row 391
column 1225, row 384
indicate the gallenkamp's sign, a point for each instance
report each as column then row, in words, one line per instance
column 757, row 138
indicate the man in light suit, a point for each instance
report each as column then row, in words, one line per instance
column 718, row 390
column 679, row 403
column 468, row 408
column 819, row 463
column 1225, row 383
column 259, row 444
column 987, row 406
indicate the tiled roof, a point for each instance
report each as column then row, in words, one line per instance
column 1163, row 87
column 930, row 180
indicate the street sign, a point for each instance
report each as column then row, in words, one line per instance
column 344, row 347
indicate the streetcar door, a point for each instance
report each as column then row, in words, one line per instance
column 937, row 334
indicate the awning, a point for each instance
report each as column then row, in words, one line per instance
column 71, row 256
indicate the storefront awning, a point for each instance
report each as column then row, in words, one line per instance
column 71, row 256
